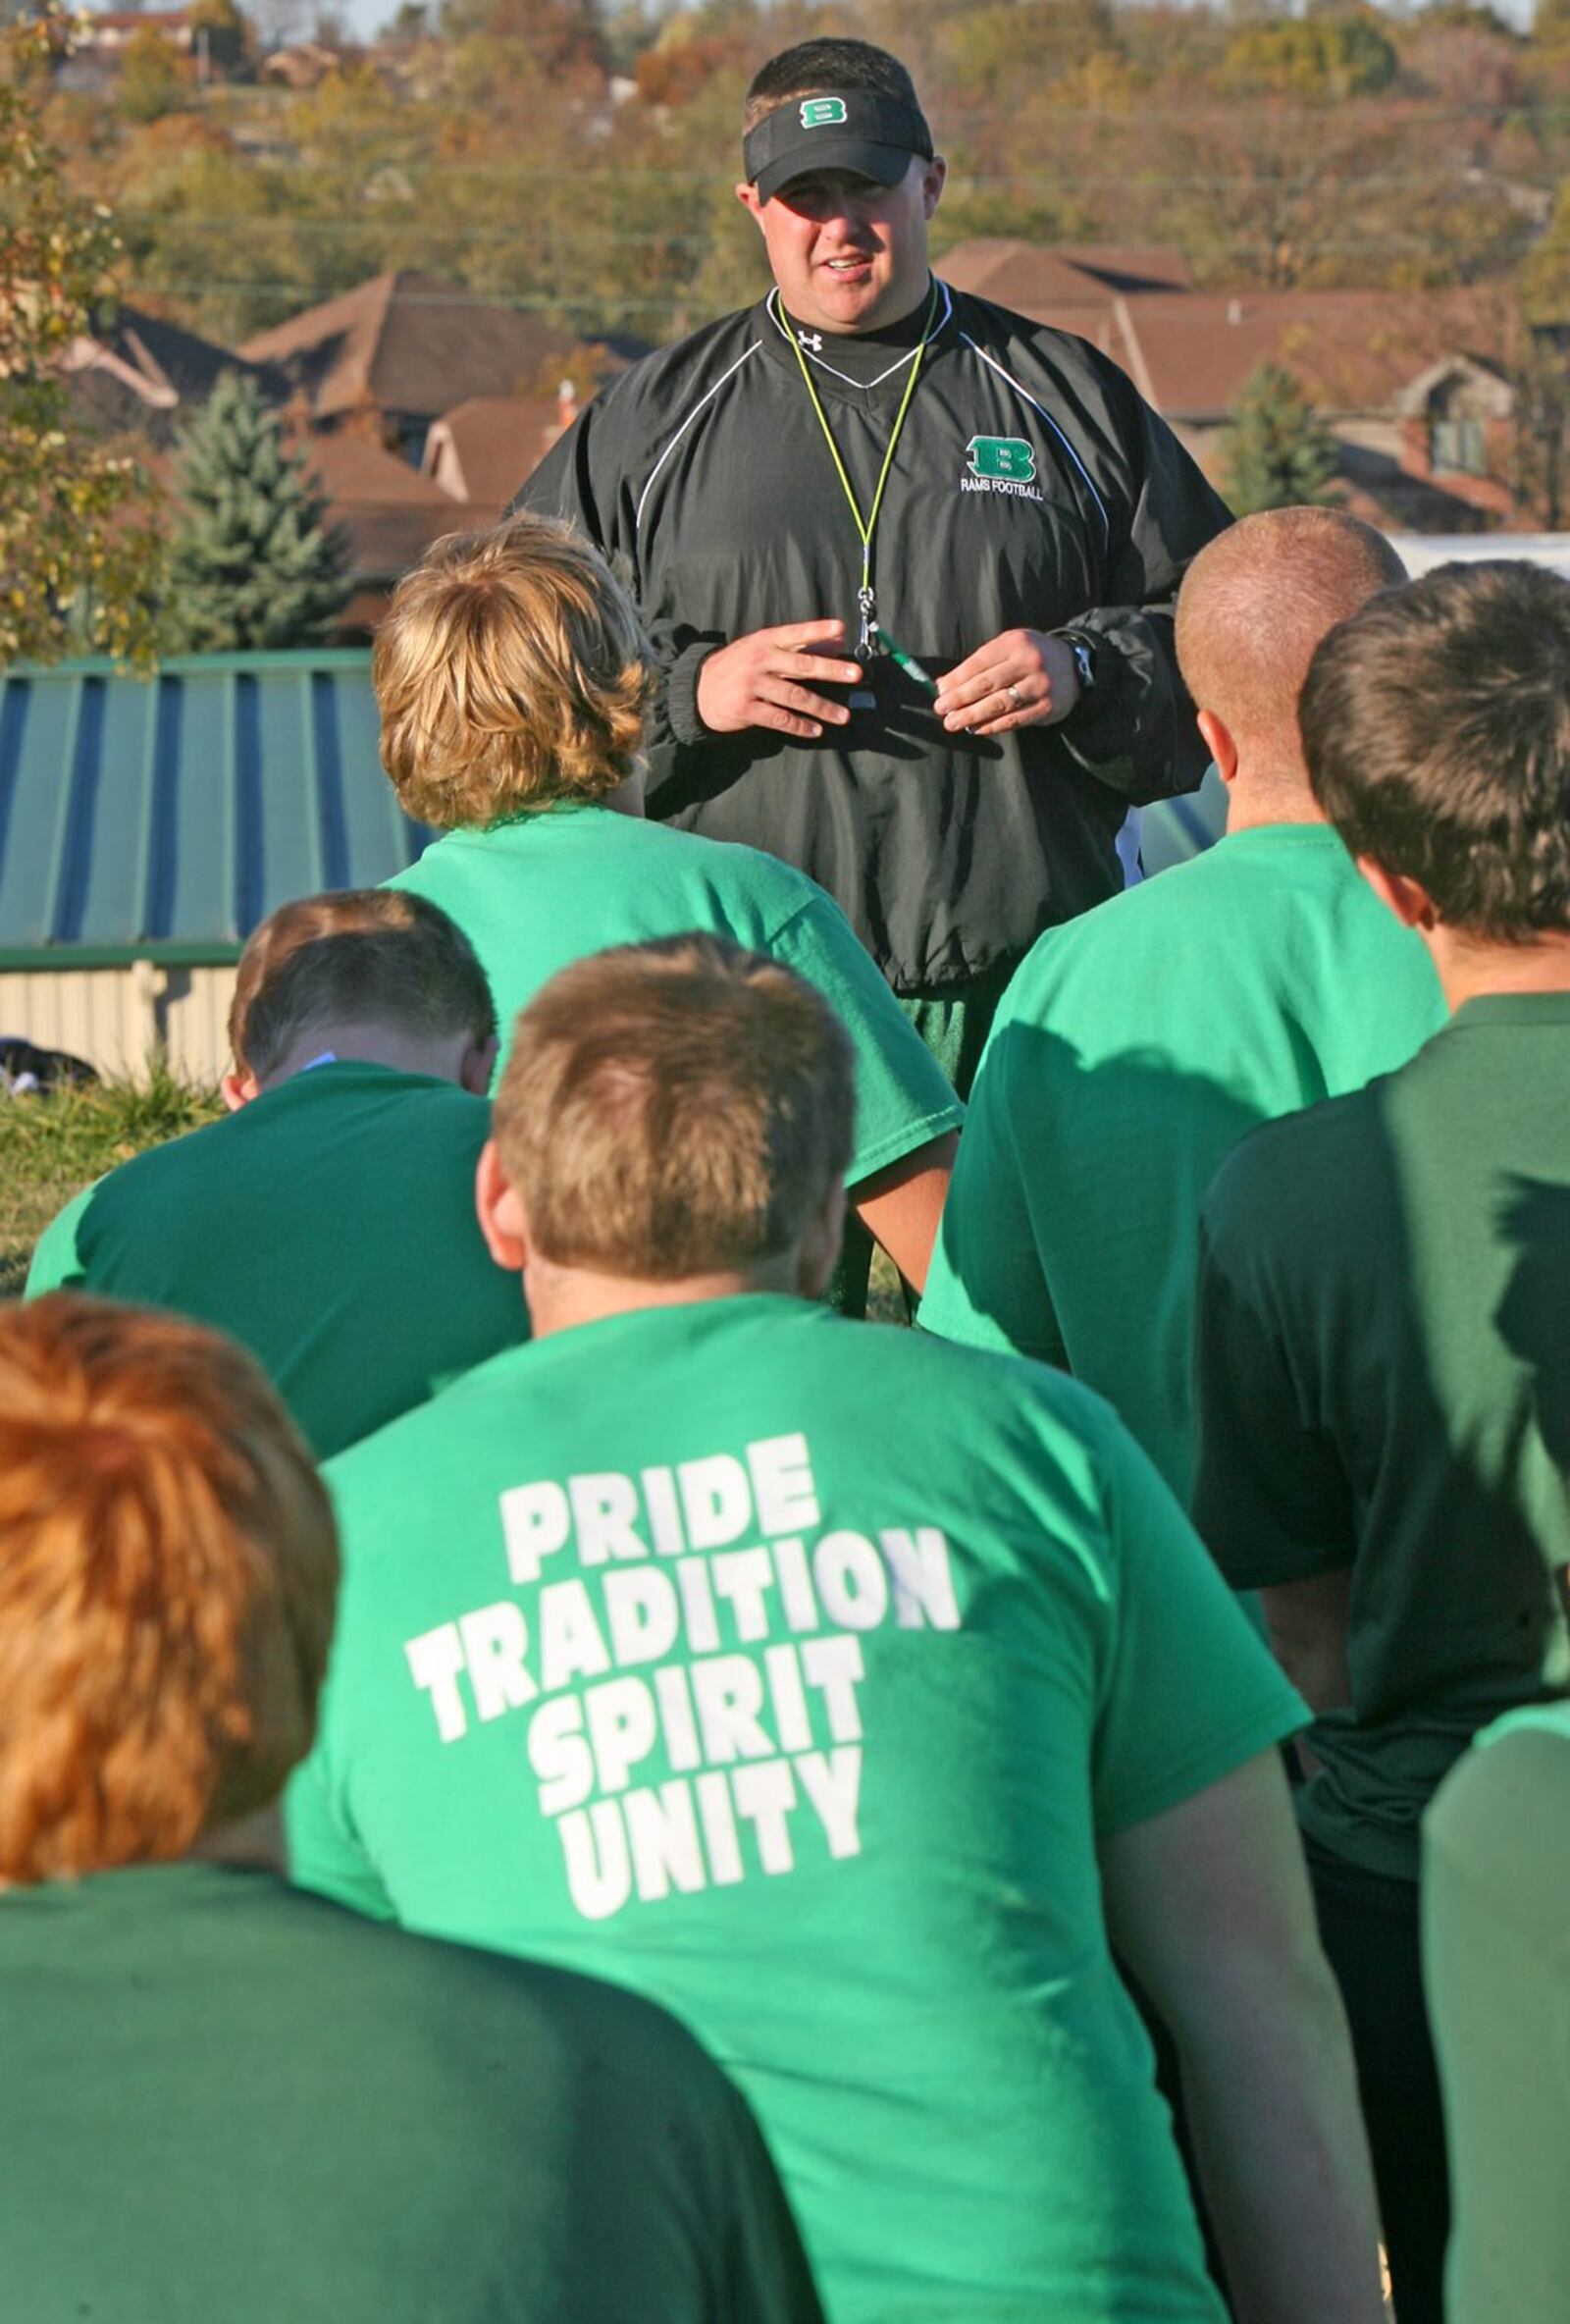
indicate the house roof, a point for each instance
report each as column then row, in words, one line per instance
column 98, row 21
column 390, row 512
column 139, row 372
column 407, row 343
column 1191, row 351
column 165, row 817
column 1031, row 276
column 486, row 446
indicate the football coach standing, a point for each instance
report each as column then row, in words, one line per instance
column 908, row 562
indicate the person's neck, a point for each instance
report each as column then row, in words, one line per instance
column 866, row 351
column 398, row 1049
column 1268, row 790
column 561, row 1297
column 1470, row 972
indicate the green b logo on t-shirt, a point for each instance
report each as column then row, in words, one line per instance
column 822, row 113
column 1007, row 456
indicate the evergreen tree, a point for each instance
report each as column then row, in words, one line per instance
column 1277, row 452
column 252, row 563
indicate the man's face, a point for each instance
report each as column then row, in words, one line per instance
column 847, row 254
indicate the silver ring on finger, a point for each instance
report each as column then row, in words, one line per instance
column 1013, row 692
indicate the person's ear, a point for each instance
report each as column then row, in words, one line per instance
column 933, row 180
column 238, row 1090
column 498, row 1206
column 1410, row 902
column 750, row 199
column 1216, row 737
column 478, row 1065
column 817, row 1254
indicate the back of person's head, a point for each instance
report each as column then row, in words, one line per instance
column 674, row 1109
column 839, row 65
column 1254, row 604
column 511, row 671
column 1437, row 729
column 363, row 955
column 168, row 1577
column 833, row 64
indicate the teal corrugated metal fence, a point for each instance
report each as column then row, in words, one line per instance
column 173, row 812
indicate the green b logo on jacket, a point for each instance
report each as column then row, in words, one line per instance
column 1008, row 456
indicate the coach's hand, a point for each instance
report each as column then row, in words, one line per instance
column 765, row 679
column 1023, row 678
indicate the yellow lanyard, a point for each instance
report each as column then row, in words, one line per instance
column 866, row 602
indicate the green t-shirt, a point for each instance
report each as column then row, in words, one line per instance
column 1134, row 1049
column 1384, row 1385
column 788, row 1671
column 1496, row 1966
column 540, row 892
column 328, row 1226
column 220, row 2098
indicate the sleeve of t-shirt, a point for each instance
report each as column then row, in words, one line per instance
column 57, row 1263
column 323, row 1852
column 903, row 1099
column 1272, row 1499
column 764, row 2273
column 1189, row 1693
column 987, row 1286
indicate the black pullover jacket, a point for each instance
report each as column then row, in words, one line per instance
column 1032, row 488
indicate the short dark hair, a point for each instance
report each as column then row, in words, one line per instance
column 1436, row 732
column 375, row 953
column 675, row 1108
column 815, row 64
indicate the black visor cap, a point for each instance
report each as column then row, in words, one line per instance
column 838, row 129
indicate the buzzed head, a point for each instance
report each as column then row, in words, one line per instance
column 1254, row 604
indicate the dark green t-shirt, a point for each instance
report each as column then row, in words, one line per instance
column 1134, row 1047
column 790, row 1671
column 1383, row 1361
column 221, row 2098
column 1496, row 1966
column 538, row 893
column 328, row 1226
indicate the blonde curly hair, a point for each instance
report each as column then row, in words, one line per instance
column 511, row 671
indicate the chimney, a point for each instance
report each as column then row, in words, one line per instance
column 1235, row 310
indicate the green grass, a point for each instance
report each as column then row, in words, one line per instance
column 53, row 1145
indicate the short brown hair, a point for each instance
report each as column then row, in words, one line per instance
column 168, row 1575
column 830, row 62
column 366, row 954
column 1437, row 729
column 1257, row 599
column 674, row 1109
column 512, row 670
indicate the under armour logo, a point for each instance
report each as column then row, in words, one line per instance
column 812, row 339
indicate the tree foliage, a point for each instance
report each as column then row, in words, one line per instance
column 1344, row 145
column 252, row 563
column 155, row 78
column 1276, row 452
column 78, row 551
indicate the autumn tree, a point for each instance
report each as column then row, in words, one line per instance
column 78, row 548
column 1276, row 452
column 155, row 79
